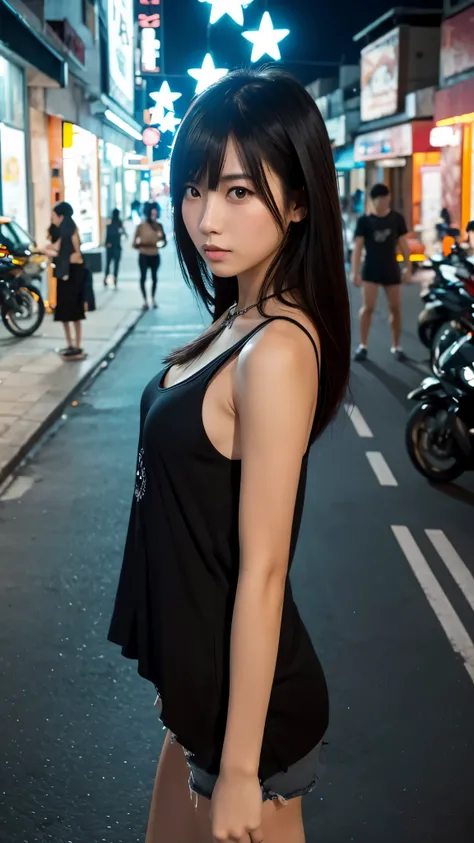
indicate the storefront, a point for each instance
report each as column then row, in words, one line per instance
column 403, row 158
column 27, row 61
column 13, row 160
column 111, row 161
column 454, row 115
column 81, row 182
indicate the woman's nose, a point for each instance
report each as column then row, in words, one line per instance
column 211, row 218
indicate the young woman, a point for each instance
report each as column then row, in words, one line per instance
column 204, row 601
column 113, row 244
column 149, row 238
column 69, row 271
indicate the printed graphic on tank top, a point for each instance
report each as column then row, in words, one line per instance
column 175, row 598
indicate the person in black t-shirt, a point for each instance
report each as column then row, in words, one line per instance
column 382, row 234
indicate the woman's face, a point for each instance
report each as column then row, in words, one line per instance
column 153, row 215
column 231, row 227
column 56, row 219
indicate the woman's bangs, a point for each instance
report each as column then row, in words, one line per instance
column 201, row 144
column 199, row 153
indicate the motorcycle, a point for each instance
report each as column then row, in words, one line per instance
column 440, row 430
column 450, row 297
column 21, row 304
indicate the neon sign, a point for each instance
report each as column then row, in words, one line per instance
column 149, row 24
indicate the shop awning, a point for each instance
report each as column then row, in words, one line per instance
column 20, row 37
column 344, row 159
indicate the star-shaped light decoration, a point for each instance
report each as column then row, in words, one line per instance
column 233, row 8
column 157, row 112
column 265, row 40
column 169, row 123
column 207, row 74
column 166, row 97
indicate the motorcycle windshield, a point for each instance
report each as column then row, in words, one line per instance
column 459, row 355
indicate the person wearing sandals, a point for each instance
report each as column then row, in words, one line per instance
column 149, row 238
column 69, row 271
column 113, row 245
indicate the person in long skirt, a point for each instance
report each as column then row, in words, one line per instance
column 69, row 271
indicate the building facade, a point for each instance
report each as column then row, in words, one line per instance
column 68, row 106
column 399, row 69
column 454, row 113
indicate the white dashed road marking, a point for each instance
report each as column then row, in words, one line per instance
column 380, row 468
column 456, row 567
column 362, row 428
column 455, row 631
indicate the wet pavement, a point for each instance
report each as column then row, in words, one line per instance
column 80, row 735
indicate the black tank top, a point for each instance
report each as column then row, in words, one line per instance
column 175, row 599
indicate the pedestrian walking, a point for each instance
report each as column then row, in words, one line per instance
column 149, row 239
column 135, row 211
column 113, row 245
column 69, row 271
column 204, row 601
column 382, row 234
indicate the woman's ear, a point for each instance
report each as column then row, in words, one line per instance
column 299, row 208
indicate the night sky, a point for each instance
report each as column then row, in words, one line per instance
column 319, row 31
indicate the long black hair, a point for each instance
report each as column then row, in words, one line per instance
column 272, row 120
column 68, row 227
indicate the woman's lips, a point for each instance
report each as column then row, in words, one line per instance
column 216, row 254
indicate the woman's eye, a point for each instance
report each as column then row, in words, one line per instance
column 239, row 192
column 191, row 192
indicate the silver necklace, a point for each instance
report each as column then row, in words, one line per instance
column 234, row 313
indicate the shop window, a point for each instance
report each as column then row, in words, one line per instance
column 12, row 101
column 13, row 174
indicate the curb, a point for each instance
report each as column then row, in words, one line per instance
column 116, row 341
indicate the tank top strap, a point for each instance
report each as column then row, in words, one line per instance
column 305, row 330
column 239, row 345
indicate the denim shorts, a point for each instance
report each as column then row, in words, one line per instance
column 298, row 780
column 301, row 778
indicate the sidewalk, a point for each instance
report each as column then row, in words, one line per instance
column 36, row 384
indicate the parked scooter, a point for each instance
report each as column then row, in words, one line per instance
column 440, row 430
column 450, row 297
column 21, row 304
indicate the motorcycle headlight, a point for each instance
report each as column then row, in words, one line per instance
column 468, row 375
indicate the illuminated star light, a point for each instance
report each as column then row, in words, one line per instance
column 166, row 97
column 157, row 113
column 233, row 8
column 266, row 39
column 169, row 123
column 207, row 74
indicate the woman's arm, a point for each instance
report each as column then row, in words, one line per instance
column 275, row 393
column 136, row 237
column 76, row 255
column 163, row 236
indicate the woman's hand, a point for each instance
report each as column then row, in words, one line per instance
column 236, row 808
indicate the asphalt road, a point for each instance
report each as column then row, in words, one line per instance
column 79, row 734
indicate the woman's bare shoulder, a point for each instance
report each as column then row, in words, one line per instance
column 296, row 313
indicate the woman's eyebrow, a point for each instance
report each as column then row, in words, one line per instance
column 233, row 176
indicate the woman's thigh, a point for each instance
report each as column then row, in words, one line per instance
column 281, row 823
column 178, row 817
column 143, row 264
column 173, row 815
